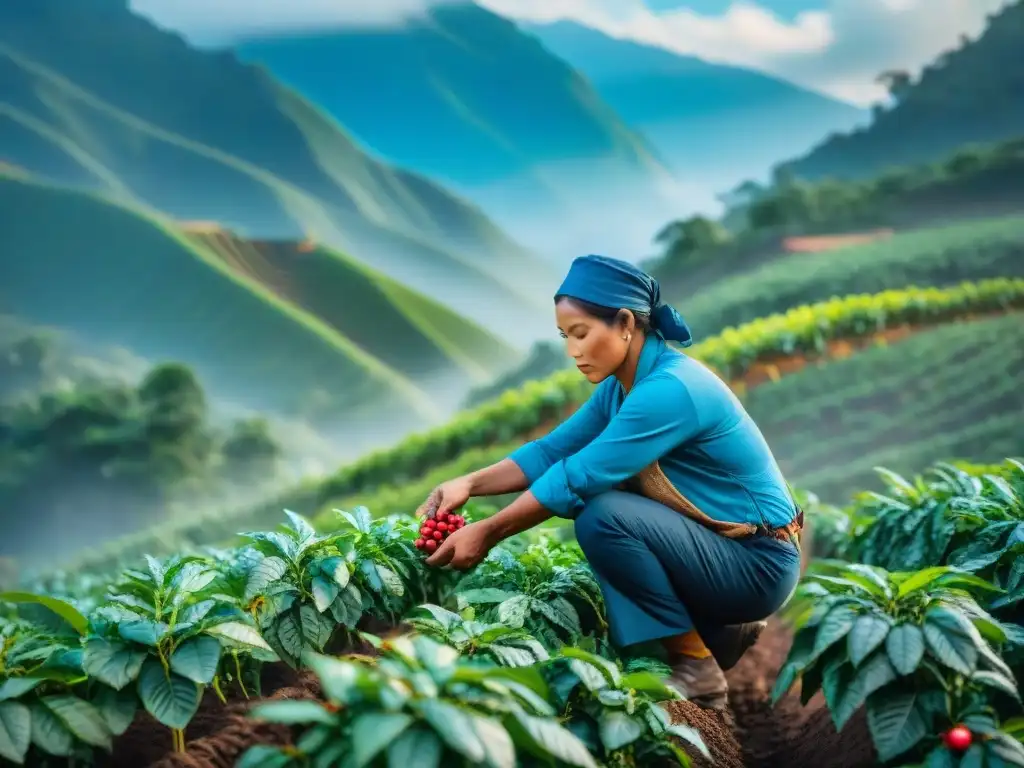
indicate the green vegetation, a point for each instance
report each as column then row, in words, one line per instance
column 175, row 131
column 509, row 664
column 317, row 327
column 967, row 95
column 936, row 256
column 545, row 358
column 397, row 479
column 93, row 461
column 698, row 252
column 921, row 628
column 803, row 331
column 953, row 390
column 410, row 333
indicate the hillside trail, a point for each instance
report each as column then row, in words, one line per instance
column 753, row 734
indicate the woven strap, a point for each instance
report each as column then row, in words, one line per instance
column 652, row 483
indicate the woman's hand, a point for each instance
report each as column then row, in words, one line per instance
column 464, row 548
column 447, row 497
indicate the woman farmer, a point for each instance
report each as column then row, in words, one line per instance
column 677, row 500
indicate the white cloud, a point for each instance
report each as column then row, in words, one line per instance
column 208, row 22
column 838, row 50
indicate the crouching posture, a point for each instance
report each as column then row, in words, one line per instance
column 677, row 500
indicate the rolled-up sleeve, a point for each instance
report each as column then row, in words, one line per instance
column 658, row 415
column 537, row 456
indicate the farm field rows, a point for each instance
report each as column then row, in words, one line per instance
column 298, row 649
column 800, row 332
column 957, row 382
column 396, row 479
column 934, row 256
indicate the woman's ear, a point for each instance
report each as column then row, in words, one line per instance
column 626, row 323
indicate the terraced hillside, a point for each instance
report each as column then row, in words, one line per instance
column 800, row 344
column 934, row 256
column 407, row 331
column 270, row 343
column 95, row 96
column 955, row 390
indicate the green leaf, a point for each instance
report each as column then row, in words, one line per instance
column 905, row 647
column 551, row 738
column 617, row 729
column 940, row 757
column 372, row 732
column 15, row 731
column 895, row 724
column 117, row 708
column 691, row 736
column 415, row 747
column 921, row 579
column 239, row 633
column 337, row 678
column 14, row 687
column 869, row 631
column 197, row 659
column 392, row 581
column 112, row 662
column 192, row 578
column 293, row 713
column 974, row 757
column 302, row 528
column 998, row 681
column 833, row 628
column 952, row 639
column 81, row 718
column 325, row 591
column 337, row 570
column 647, row 683
column 49, row 733
column 1006, row 747
column 454, row 726
column 64, row 609
column 500, row 752
column 263, row 574
column 144, row 632
column 486, row 596
column 607, row 668
column 289, row 634
column 261, row 756
column 875, row 673
column 513, row 611
column 172, row 700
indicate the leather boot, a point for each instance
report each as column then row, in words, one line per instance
column 701, row 681
column 728, row 644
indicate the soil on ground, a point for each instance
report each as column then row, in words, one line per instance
column 753, row 734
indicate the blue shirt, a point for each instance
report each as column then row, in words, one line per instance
column 679, row 413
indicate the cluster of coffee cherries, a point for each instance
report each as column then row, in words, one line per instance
column 437, row 528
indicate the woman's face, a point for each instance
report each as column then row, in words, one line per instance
column 597, row 348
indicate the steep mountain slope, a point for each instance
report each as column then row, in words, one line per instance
column 700, row 116
column 974, row 94
column 464, row 96
column 90, row 94
column 313, row 334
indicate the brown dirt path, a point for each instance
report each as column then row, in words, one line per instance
column 790, row 735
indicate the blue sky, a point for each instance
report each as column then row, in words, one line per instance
column 836, row 47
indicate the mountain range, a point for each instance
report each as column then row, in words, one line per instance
column 971, row 95
column 463, row 96
column 94, row 96
column 716, row 125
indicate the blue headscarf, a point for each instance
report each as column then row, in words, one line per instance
column 614, row 283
